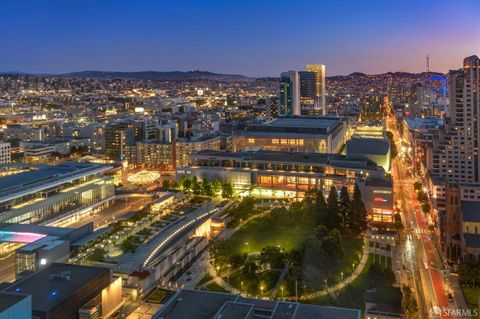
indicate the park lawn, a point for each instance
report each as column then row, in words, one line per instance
column 472, row 296
column 266, row 231
column 252, row 283
column 353, row 248
column 214, row 287
column 205, row 279
column 359, row 286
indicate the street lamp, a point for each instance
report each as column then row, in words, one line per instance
column 341, row 274
column 246, row 247
column 241, row 284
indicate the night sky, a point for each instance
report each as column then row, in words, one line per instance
column 249, row 37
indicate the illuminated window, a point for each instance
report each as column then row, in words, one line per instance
column 251, row 140
column 275, row 141
column 299, row 142
column 292, row 142
column 284, row 141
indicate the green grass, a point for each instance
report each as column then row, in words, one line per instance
column 205, row 279
column 266, row 231
column 359, row 286
column 472, row 296
column 252, row 283
column 214, row 287
column 156, row 296
column 353, row 248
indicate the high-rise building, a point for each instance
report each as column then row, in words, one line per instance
column 289, row 93
column 308, row 91
column 319, row 70
column 453, row 160
column 120, row 134
column 455, row 155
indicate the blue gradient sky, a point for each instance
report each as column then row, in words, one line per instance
column 251, row 37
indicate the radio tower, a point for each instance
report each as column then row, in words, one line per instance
column 427, row 69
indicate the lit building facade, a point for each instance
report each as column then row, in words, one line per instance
column 297, row 134
column 42, row 193
column 290, row 93
column 291, row 174
column 167, row 156
column 319, row 71
column 5, row 153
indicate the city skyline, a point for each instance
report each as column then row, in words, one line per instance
column 237, row 38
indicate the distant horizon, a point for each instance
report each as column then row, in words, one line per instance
column 253, row 38
column 16, row 72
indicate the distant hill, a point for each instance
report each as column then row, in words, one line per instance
column 155, row 75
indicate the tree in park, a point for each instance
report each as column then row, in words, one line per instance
column 333, row 244
column 344, row 206
column 227, row 190
column 358, row 211
column 332, row 218
column 310, row 197
column 216, row 186
column 187, row 184
column 321, row 232
column 320, row 201
column 272, row 256
column 207, row 187
column 196, row 186
column 166, row 184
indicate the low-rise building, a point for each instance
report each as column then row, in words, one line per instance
column 205, row 305
column 60, row 290
column 383, row 303
column 375, row 149
column 296, row 134
column 5, row 153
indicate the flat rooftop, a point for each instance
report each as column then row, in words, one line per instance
column 46, row 292
column 313, row 159
column 295, row 125
column 361, row 145
column 7, row 300
column 470, row 211
column 206, row 305
column 40, row 177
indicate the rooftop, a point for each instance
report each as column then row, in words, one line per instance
column 313, row 159
column 384, row 300
column 296, row 125
column 471, row 211
column 40, row 177
column 47, row 292
column 360, row 145
column 206, row 305
column 9, row 299
column 472, row 240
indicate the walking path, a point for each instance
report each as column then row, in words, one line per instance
column 363, row 261
column 279, row 281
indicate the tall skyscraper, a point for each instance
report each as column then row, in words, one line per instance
column 289, row 93
column 455, row 154
column 308, row 91
column 319, row 70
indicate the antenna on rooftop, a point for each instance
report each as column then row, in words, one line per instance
column 427, row 68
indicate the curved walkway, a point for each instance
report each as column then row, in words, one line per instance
column 342, row 284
